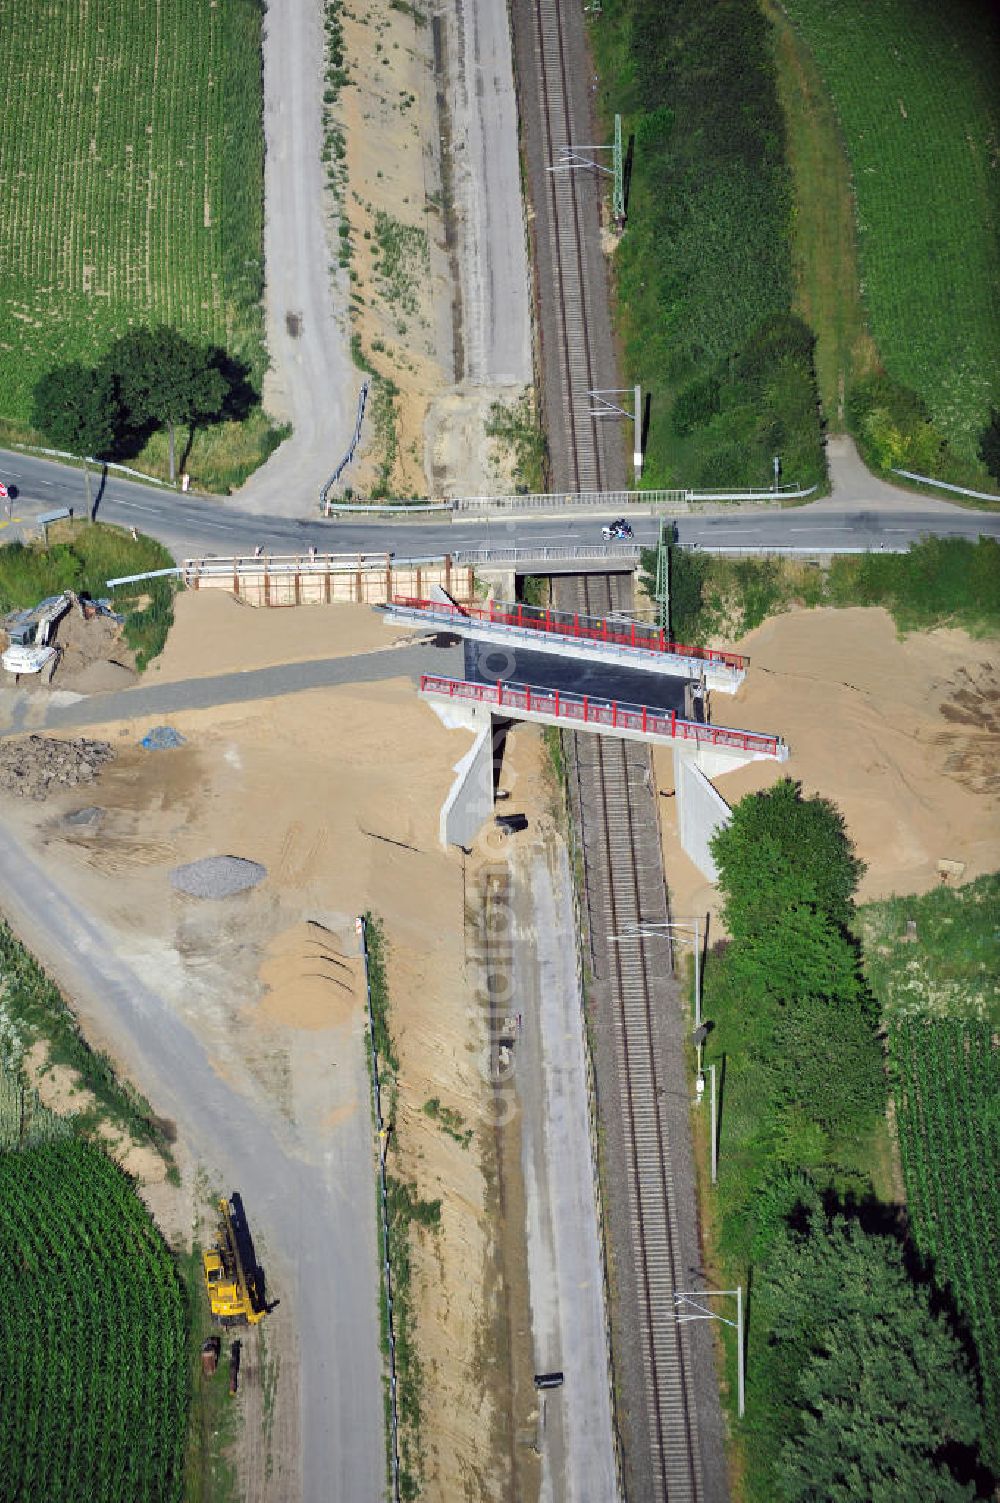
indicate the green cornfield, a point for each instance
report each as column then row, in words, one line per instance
column 93, row 1364
column 916, row 85
column 947, row 1089
column 131, row 180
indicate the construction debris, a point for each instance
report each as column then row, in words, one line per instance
column 35, row 766
column 217, row 876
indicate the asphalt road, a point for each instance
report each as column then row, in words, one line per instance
column 192, row 526
column 487, row 664
column 19, row 707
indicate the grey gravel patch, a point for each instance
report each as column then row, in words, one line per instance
column 217, row 876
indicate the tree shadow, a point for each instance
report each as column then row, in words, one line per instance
column 242, row 396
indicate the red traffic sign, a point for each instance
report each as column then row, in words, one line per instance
column 3, row 490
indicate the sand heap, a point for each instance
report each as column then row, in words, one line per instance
column 310, row 982
column 35, row 766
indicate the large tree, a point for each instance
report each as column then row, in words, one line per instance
column 781, row 850
column 77, row 409
column 787, row 872
column 164, row 379
column 873, row 1396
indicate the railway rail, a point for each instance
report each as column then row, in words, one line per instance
column 569, row 230
column 624, row 879
column 671, row 1460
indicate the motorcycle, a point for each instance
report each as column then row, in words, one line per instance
column 619, row 531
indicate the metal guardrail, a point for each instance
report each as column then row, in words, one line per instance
column 400, row 511
column 783, row 493
column 352, row 447
column 779, row 550
column 603, row 714
column 677, row 501
column 557, row 500
column 296, row 563
column 944, row 485
column 109, row 464
column 571, row 625
column 627, row 552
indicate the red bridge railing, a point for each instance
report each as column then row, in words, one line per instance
column 582, row 709
column 571, row 624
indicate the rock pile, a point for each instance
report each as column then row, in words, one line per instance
column 35, row 766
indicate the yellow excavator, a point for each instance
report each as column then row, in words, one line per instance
column 235, row 1296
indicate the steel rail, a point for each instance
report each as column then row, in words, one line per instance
column 620, row 895
column 565, row 245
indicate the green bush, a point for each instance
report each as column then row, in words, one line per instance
column 695, row 404
column 940, row 581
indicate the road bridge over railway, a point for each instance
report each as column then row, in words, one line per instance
column 617, row 643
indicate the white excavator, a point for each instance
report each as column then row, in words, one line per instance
column 28, row 634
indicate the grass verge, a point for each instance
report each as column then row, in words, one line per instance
column 209, row 1475
column 515, row 428
column 32, row 1010
column 938, row 582
column 702, row 275
column 824, row 252
column 408, row 1216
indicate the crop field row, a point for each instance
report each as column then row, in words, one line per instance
column 131, row 180
column 916, row 89
column 948, row 1114
column 93, row 1365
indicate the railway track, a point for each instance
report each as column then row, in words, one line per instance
column 614, row 809
column 625, row 886
column 567, row 222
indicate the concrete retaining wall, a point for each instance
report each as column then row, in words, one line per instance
column 318, row 584
column 470, row 802
column 701, row 810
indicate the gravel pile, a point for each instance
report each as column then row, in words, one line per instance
column 35, row 766
column 217, row 876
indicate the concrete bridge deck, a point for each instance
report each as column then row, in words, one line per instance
column 621, row 646
column 581, row 712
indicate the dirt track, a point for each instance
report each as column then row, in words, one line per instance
column 312, row 382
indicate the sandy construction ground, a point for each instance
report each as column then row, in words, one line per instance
column 440, row 285
column 902, row 734
column 215, row 633
column 337, row 793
